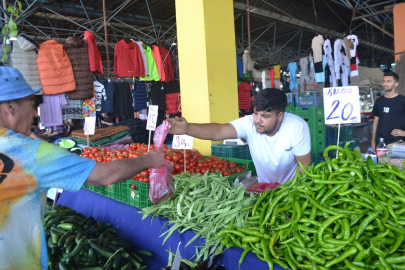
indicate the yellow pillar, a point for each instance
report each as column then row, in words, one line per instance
column 207, row 62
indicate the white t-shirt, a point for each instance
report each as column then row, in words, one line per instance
column 274, row 156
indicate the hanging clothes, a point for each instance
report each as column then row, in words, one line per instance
column 89, row 106
column 345, row 66
column 77, row 50
column 277, row 72
column 347, row 43
column 244, row 96
column 157, row 95
column 272, row 73
column 311, row 69
column 247, row 62
column 140, row 96
column 153, row 71
column 320, row 76
column 239, row 66
column 338, row 58
column 304, row 73
column 330, row 76
column 128, row 60
column 107, row 104
column 264, row 79
column 293, row 67
column 96, row 65
column 354, row 61
column 173, row 98
column 55, row 69
column 72, row 109
column 100, row 94
column 51, row 110
column 317, row 43
column 145, row 62
column 159, row 63
column 167, row 64
column 123, row 100
column 24, row 58
column 175, row 61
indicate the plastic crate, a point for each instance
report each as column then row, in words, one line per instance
column 231, row 151
column 317, row 145
column 100, row 190
column 91, row 188
column 346, row 134
column 249, row 167
column 353, row 144
column 317, row 134
column 138, row 197
column 309, row 99
column 309, row 113
column 114, row 191
column 317, row 157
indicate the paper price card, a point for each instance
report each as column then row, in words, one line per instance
column 182, row 142
column 152, row 117
column 341, row 105
column 89, row 125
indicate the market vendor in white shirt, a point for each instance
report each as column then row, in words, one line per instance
column 276, row 139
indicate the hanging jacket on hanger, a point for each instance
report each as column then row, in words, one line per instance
column 96, row 65
column 77, row 50
column 245, row 102
column 145, row 62
column 140, row 96
column 24, row 58
column 167, row 64
column 159, row 63
column 55, row 69
column 153, row 70
column 128, row 60
column 327, row 47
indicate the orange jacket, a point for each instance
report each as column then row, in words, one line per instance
column 55, row 69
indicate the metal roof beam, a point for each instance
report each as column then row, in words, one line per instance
column 372, row 14
column 311, row 27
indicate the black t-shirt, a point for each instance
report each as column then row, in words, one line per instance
column 391, row 114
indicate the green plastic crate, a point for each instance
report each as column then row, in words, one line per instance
column 317, row 157
column 318, row 134
column 114, row 191
column 138, row 197
column 346, row 134
column 100, row 190
column 317, row 145
column 310, row 113
column 231, row 151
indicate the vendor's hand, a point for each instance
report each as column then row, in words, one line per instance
column 179, row 126
column 398, row 133
column 156, row 158
column 373, row 145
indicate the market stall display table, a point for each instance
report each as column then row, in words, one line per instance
column 144, row 234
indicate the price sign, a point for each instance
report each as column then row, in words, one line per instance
column 89, row 125
column 182, row 142
column 152, row 117
column 342, row 105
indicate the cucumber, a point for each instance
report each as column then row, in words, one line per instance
column 106, row 242
column 126, row 267
column 113, row 231
column 51, row 244
column 117, row 262
column 66, row 226
column 70, row 261
column 100, row 226
column 78, row 237
column 145, row 253
column 62, row 240
column 51, row 222
column 55, row 237
column 70, row 248
column 77, row 249
column 63, row 266
column 137, row 257
column 122, row 243
column 69, row 240
column 58, row 230
column 92, row 257
column 125, row 255
column 100, row 240
column 107, row 225
column 135, row 262
column 103, row 252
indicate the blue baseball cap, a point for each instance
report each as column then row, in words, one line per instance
column 13, row 85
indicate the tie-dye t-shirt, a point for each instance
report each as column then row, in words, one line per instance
column 28, row 169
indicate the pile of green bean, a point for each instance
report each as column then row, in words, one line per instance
column 343, row 213
column 205, row 204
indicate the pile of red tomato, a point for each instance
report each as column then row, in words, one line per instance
column 193, row 160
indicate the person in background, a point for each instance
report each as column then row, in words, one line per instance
column 107, row 120
column 277, row 140
column 30, row 167
column 389, row 113
column 72, row 125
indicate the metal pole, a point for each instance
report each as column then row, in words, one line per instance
column 299, row 47
column 51, row 24
column 112, row 16
column 248, row 22
column 243, row 39
column 274, row 38
column 81, row 2
column 4, row 10
column 151, row 18
column 106, row 38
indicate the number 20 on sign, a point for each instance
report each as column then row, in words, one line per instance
column 342, row 105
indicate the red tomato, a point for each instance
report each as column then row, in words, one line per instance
column 133, row 187
column 181, row 161
column 108, row 159
column 100, row 159
column 197, row 170
column 146, row 179
column 203, row 170
column 120, row 157
column 177, row 167
column 212, row 170
column 94, row 150
column 176, row 158
column 238, row 170
column 152, row 147
column 145, row 173
column 200, row 165
column 169, row 158
column 91, row 155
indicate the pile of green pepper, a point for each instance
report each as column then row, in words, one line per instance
column 344, row 213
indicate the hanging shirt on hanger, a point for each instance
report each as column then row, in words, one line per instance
column 277, row 72
column 159, row 63
column 167, row 64
column 51, row 110
column 327, row 47
column 293, row 67
column 153, row 71
column 304, row 72
column 272, row 78
column 311, row 69
column 354, row 61
column 345, row 66
column 89, row 106
column 107, row 105
column 128, row 60
column 123, row 100
column 72, row 109
column 100, row 94
column 145, row 62
column 317, row 43
column 338, row 58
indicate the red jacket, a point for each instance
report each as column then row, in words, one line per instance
column 159, row 65
column 244, row 96
column 128, row 60
column 96, row 65
column 167, row 64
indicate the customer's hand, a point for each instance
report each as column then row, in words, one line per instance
column 156, row 158
column 398, row 133
column 373, row 145
column 179, row 126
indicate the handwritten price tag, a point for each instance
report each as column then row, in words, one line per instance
column 152, row 117
column 342, row 105
column 89, row 125
column 182, row 142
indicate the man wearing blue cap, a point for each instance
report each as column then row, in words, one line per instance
column 29, row 167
